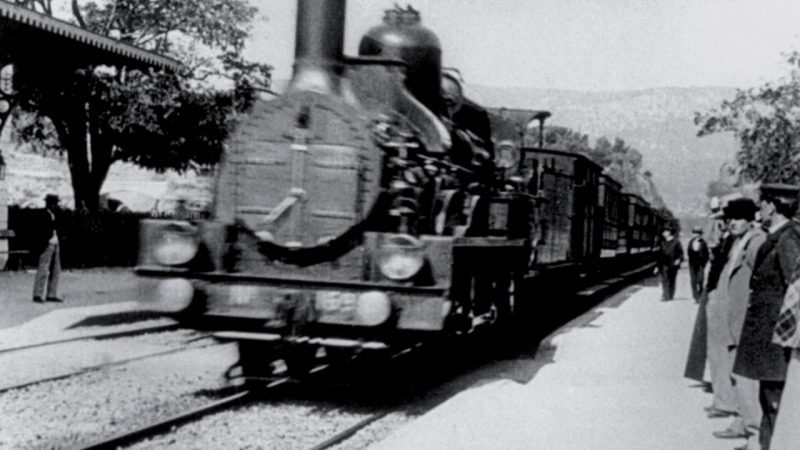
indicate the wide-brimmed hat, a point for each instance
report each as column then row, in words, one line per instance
column 740, row 208
column 779, row 191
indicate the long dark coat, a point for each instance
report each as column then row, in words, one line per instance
column 670, row 252
column 758, row 358
column 696, row 360
column 697, row 257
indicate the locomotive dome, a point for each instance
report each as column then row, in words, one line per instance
column 402, row 36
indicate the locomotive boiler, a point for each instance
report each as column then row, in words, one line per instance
column 363, row 210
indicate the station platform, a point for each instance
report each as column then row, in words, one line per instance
column 87, row 294
column 615, row 382
column 90, row 287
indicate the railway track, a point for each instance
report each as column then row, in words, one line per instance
column 239, row 399
column 349, row 432
column 162, row 426
column 165, row 425
column 85, row 370
column 110, row 334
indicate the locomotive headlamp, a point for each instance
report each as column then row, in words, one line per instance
column 175, row 248
column 174, row 294
column 401, row 257
column 507, row 155
column 373, row 308
column 369, row 308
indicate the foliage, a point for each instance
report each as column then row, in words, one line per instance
column 619, row 160
column 766, row 122
column 560, row 138
column 156, row 119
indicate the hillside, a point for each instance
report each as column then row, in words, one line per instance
column 658, row 122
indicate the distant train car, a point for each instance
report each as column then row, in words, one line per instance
column 614, row 219
column 363, row 211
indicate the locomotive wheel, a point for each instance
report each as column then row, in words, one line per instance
column 491, row 298
column 300, row 359
column 255, row 360
column 503, row 300
column 511, row 332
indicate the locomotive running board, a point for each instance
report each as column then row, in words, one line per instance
column 221, row 277
column 323, row 342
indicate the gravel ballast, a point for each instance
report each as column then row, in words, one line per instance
column 98, row 404
column 49, row 361
column 283, row 425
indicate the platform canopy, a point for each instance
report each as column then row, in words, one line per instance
column 27, row 35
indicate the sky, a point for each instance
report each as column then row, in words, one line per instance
column 595, row 45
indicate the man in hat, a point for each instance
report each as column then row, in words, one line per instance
column 45, row 286
column 726, row 310
column 757, row 357
column 469, row 126
column 669, row 261
column 719, row 250
column 697, row 250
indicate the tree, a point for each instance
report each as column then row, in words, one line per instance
column 158, row 120
column 559, row 138
column 766, row 122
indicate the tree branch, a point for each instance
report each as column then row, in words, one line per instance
column 111, row 17
column 76, row 11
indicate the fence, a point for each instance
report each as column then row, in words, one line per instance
column 88, row 239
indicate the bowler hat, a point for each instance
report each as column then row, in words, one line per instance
column 51, row 198
column 740, row 208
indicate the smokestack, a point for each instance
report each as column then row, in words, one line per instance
column 319, row 46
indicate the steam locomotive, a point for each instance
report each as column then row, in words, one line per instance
column 372, row 206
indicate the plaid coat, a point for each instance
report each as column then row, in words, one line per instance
column 758, row 358
column 787, row 333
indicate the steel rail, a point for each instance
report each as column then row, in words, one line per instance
column 348, row 432
column 129, row 437
column 85, row 370
column 126, row 438
column 99, row 335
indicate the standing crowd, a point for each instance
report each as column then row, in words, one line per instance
column 746, row 330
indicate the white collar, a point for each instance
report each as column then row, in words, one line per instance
column 775, row 227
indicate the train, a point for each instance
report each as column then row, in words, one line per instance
column 373, row 206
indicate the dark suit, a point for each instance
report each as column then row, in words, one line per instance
column 46, row 224
column 47, row 245
column 669, row 259
column 698, row 257
column 757, row 357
